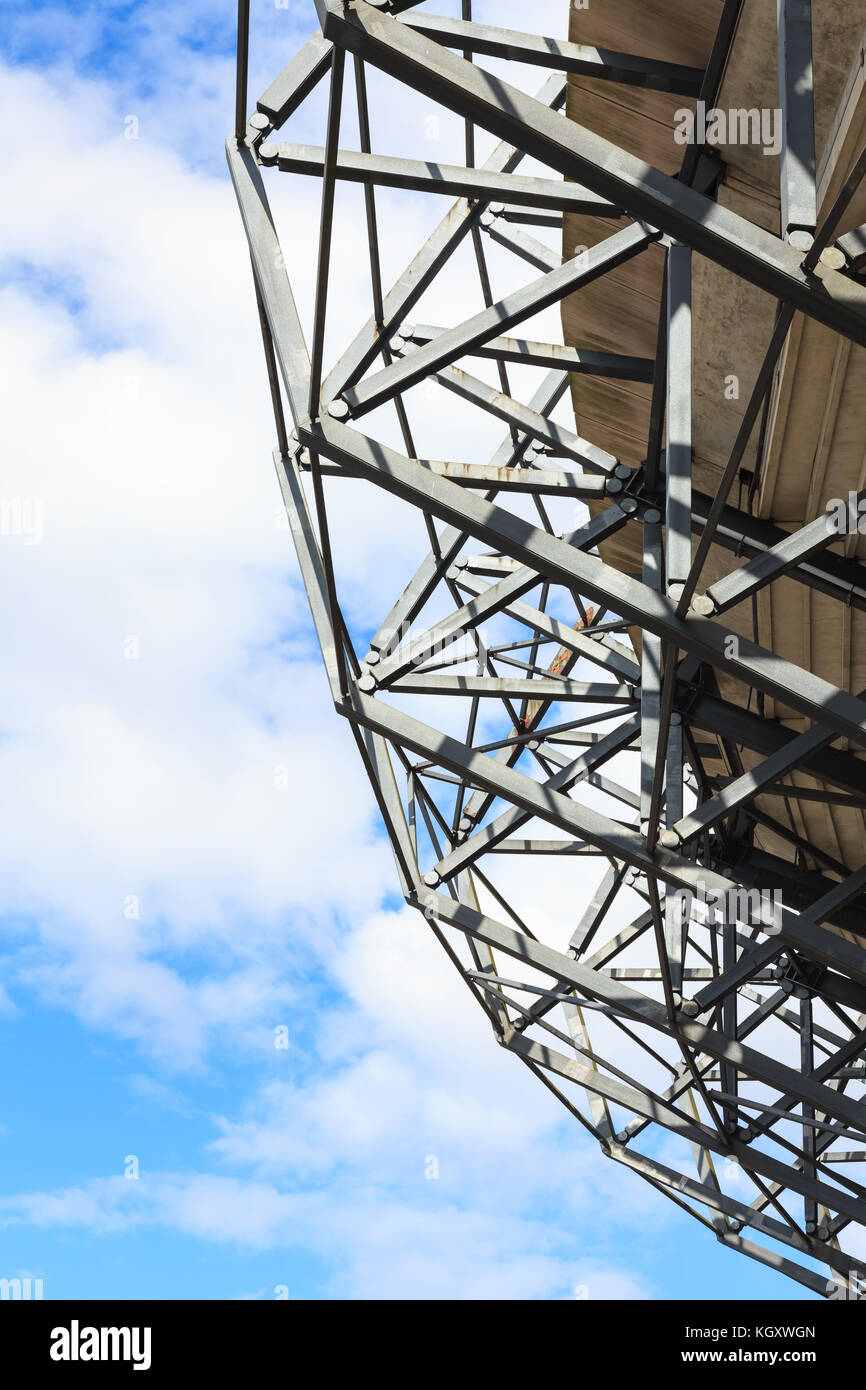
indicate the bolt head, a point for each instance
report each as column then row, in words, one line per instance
column 800, row 240
column 832, row 257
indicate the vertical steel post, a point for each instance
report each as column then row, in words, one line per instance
column 796, row 100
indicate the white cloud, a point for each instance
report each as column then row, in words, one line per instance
column 337, row 1159
column 381, row 1247
column 155, row 777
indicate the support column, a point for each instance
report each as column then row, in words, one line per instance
column 798, row 201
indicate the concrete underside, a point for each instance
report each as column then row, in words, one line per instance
column 814, row 440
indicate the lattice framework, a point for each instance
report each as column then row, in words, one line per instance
column 744, row 1039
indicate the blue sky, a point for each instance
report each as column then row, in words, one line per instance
column 169, row 903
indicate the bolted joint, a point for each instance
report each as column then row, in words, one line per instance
column 703, row 605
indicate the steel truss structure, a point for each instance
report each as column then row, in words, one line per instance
column 741, row 1036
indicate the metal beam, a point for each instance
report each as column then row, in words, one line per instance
column 678, row 451
column 771, row 564
column 576, row 58
column 798, row 688
column 647, row 194
column 506, row 313
column 581, row 361
column 428, row 176
column 798, row 198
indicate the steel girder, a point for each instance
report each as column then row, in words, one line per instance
column 669, row 993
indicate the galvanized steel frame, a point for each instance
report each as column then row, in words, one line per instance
column 452, row 805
